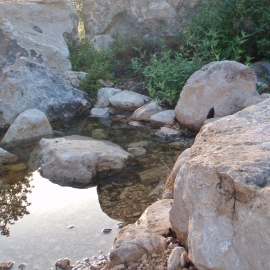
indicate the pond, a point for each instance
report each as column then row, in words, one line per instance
column 67, row 221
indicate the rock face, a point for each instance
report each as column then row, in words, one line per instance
column 225, row 85
column 38, row 30
column 73, row 77
column 29, row 124
column 128, row 100
column 77, row 159
column 125, row 17
column 221, row 196
column 29, row 85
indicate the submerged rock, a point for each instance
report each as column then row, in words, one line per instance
column 29, row 124
column 6, row 157
column 77, row 159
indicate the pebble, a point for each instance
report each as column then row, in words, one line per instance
column 106, row 230
column 71, row 226
column 22, row 265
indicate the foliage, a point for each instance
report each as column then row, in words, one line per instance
column 231, row 29
column 214, row 30
column 14, row 204
column 165, row 74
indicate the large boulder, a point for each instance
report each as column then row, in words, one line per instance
column 29, row 85
column 222, row 196
column 29, row 124
column 226, row 85
column 125, row 17
column 77, row 159
column 38, row 30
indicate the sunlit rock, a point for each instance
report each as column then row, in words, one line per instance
column 224, row 84
column 221, row 196
column 104, row 94
column 29, row 124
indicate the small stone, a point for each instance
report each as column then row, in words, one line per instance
column 71, row 226
column 22, row 265
column 106, row 230
column 100, row 252
column 120, row 225
column 62, row 263
column 6, row 265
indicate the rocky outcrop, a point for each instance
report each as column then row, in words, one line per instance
column 29, row 85
column 125, row 17
column 225, row 85
column 77, row 159
column 128, row 100
column 221, row 195
column 38, row 30
column 29, row 124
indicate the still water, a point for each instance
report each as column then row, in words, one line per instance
column 43, row 236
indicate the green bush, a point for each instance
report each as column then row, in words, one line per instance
column 231, row 29
column 165, row 74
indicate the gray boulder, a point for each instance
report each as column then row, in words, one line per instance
column 29, row 124
column 77, row 159
column 128, row 100
column 29, row 85
column 38, row 30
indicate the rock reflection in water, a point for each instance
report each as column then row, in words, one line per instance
column 13, row 201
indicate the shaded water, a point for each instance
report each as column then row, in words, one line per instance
column 43, row 236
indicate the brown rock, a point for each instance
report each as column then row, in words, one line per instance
column 225, row 85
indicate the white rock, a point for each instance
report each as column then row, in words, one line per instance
column 103, row 96
column 174, row 261
column 100, row 112
column 125, row 17
column 156, row 217
column 132, row 242
column 146, row 111
column 225, row 85
column 221, row 195
column 38, row 30
column 29, row 124
column 163, row 118
column 128, row 100
column 77, row 158
column 119, row 267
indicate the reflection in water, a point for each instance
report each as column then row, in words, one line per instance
column 14, row 203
